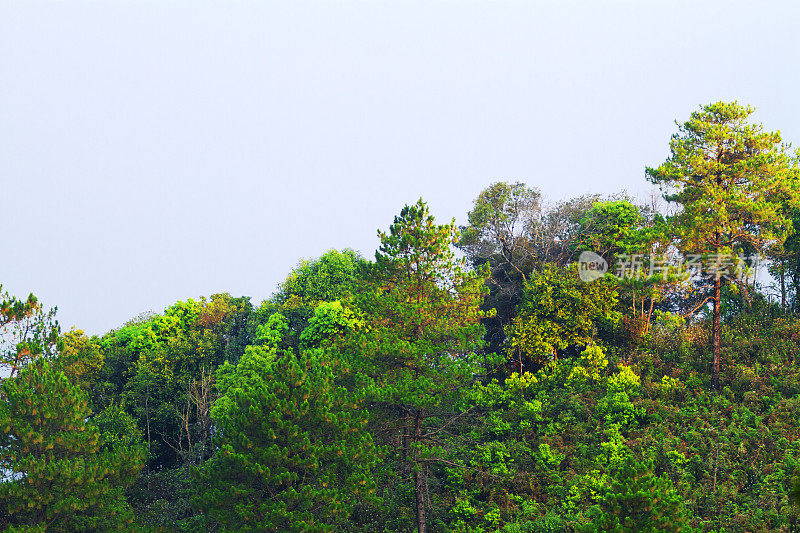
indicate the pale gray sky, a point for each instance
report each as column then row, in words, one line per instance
column 157, row 151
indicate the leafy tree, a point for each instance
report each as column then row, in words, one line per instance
column 227, row 321
column 335, row 276
column 60, row 471
column 81, row 359
column 500, row 225
column 618, row 228
column 613, row 227
column 794, row 491
column 329, row 278
column 732, row 181
column 563, row 228
column 161, row 366
column 560, row 311
column 785, row 264
column 420, row 340
column 293, row 454
column 330, row 320
column 511, row 231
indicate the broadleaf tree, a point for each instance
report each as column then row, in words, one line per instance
column 559, row 311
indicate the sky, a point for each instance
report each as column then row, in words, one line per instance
column 154, row 151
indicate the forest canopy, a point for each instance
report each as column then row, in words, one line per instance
column 466, row 378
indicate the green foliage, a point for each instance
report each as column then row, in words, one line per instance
column 155, row 366
column 418, row 348
column 732, row 179
column 293, row 454
column 329, row 278
column 423, row 316
column 558, row 312
column 735, row 185
column 500, row 223
column 61, row 471
column 81, row 358
column 362, row 396
column 163, row 501
column 330, row 320
column 591, row 365
column 785, row 264
column 613, row 227
column 272, row 333
column 636, row 500
column 511, row 232
column 794, row 493
column 27, row 331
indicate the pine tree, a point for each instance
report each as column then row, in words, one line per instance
column 27, row 331
column 60, row 472
column 634, row 499
column 421, row 338
column 734, row 183
column 293, row 454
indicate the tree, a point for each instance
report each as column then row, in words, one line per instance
column 733, row 182
column 81, row 359
column 794, row 490
column 333, row 276
column 60, row 471
column 330, row 321
column 27, row 331
column 500, row 226
column 622, row 232
column 329, row 278
column 611, row 228
column 635, row 499
column 293, row 454
column 162, row 366
column 511, row 231
column 785, row 264
column 419, row 345
column 559, row 311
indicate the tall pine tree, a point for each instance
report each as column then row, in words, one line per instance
column 733, row 182
column 421, row 340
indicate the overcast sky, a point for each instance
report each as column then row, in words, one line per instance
column 156, row 151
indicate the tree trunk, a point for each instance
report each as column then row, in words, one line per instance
column 716, row 459
column 420, row 479
column 147, row 414
column 783, row 291
column 649, row 315
column 796, row 285
column 715, row 343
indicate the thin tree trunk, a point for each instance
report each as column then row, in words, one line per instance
column 716, row 459
column 783, row 291
column 147, row 414
column 428, row 504
column 796, row 285
column 420, row 479
column 717, row 329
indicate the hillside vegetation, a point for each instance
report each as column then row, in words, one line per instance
column 478, row 378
